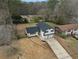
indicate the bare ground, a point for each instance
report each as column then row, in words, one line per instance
column 32, row 48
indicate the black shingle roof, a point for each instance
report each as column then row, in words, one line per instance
column 43, row 26
column 32, row 30
column 40, row 26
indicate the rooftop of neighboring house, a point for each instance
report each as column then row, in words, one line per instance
column 68, row 27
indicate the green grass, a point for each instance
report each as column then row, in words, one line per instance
column 51, row 24
column 72, row 41
column 31, row 24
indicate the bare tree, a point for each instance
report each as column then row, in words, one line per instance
column 66, row 11
column 5, row 23
column 69, row 10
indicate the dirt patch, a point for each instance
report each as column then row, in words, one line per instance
column 29, row 48
column 34, row 48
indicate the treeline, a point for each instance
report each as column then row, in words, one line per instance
column 57, row 11
column 26, row 8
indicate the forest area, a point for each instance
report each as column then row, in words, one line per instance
column 56, row 11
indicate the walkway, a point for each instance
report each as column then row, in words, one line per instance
column 58, row 49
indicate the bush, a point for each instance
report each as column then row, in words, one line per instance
column 48, row 20
column 24, row 20
column 37, row 19
column 18, row 19
column 62, row 35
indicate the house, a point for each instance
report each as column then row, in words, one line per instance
column 43, row 30
column 30, row 17
column 68, row 29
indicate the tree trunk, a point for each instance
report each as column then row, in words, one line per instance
column 5, row 23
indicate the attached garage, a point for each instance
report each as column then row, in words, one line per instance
column 31, row 31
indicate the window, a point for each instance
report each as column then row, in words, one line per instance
column 52, row 30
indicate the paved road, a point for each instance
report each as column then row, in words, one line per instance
column 60, row 52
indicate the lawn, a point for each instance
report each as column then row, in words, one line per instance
column 73, row 43
column 51, row 24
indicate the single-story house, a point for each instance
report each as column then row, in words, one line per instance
column 68, row 29
column 43, row 30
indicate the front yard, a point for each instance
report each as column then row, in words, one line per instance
column 27, row 48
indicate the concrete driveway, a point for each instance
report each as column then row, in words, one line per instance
column 59, row 51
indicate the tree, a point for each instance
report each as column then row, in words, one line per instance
column 52, row 4
column 13, row 6
column 6, row 28
column 68, row 10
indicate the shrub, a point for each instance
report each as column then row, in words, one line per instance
column 62, row 35
column 37, row 19
column 18, row 19
column 21, row 36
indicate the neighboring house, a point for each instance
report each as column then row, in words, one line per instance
column 26, row 17
column 43, row 30
column 30, row 17
column 69, row 29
